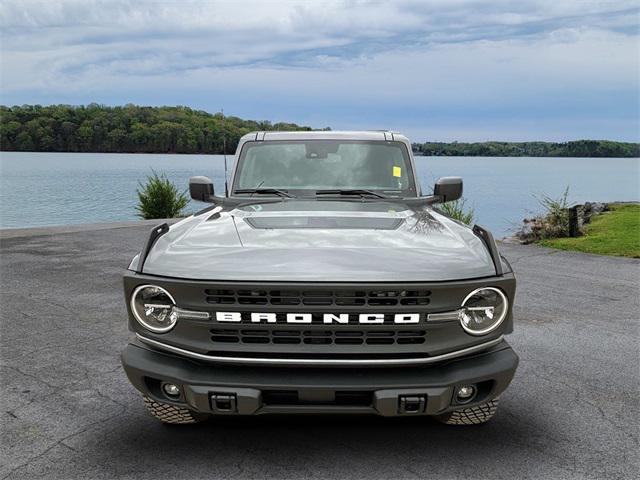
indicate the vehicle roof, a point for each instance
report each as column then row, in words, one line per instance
column 379, row 135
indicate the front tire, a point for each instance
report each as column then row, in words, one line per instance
column 475, row 415
column 172, row 414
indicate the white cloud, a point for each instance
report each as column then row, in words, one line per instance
column 192, row 34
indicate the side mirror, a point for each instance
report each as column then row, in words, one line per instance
column 201, row 189
column 448, row 189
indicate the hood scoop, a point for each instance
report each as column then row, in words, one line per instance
column 338, row 222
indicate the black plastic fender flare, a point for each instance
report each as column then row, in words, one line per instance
column 156, row 233
column 487, row 238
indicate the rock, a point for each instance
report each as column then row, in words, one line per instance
column 545, row 226
column 590, row 209
column 513, row 239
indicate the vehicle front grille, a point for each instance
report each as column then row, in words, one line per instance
column 317, row 337
column 338, row 297
column 292, row 336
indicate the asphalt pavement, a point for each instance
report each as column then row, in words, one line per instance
column 68, row 411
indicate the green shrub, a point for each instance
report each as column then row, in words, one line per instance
column 556, row 216
column 160, row 198
column 457, row 211
column 553, row 222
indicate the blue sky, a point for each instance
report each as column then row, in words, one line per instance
column 435, row 70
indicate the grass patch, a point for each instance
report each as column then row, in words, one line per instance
column 616, row 232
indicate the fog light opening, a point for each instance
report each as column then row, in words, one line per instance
column 171, row 390
column 466, row 393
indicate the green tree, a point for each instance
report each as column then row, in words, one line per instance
column 160, row 198
column 132, row 128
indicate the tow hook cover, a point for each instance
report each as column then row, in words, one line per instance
column 411, row 404
column 224, row 403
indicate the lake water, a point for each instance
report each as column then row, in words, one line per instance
column 38, row 189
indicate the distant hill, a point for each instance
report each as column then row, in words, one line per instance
column 578, row 148
column 127, row 129
column 136, row 129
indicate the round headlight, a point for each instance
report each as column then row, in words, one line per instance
column 483, row 310
column 154, row 308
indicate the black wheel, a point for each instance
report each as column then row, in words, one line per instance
column 171, row 414
column 470, row 415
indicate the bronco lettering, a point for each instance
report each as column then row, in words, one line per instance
column 327, row 318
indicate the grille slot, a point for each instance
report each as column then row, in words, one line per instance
column 318, row 337
column 318, row 298
column 291, row 397
column 224, row 335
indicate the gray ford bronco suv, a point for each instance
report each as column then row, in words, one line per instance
column 323, row 281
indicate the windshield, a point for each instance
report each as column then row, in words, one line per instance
column 313, row 165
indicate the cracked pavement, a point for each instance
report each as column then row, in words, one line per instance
column 69, row 412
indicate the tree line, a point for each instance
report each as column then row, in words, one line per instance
column 578, row 148
column 136, row 129
column 127, row 129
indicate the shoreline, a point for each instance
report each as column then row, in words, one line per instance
column 232, row 154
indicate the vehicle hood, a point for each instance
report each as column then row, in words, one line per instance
column 320, row 241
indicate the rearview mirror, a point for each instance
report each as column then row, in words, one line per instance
column 201, row 189
column 448, row 189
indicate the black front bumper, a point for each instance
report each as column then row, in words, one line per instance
column 227, row 389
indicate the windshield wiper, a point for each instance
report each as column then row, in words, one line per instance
column 267, row 191
column 353, row 191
